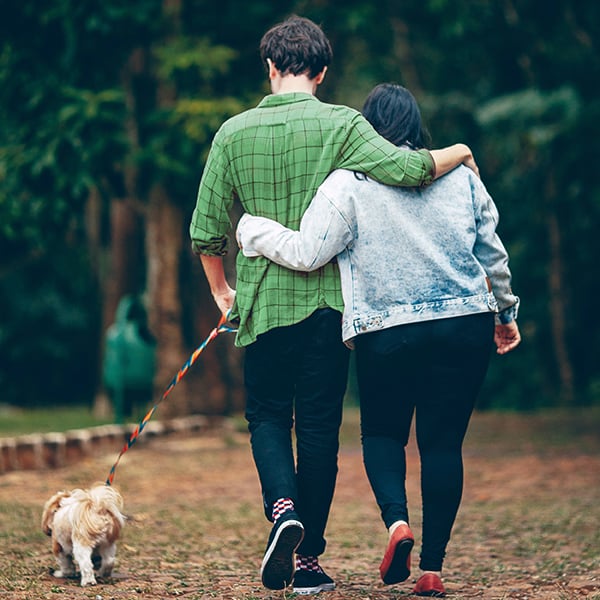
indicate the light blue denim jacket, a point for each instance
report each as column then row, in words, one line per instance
column 405, row 254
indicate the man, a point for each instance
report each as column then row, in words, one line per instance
column 272, row 159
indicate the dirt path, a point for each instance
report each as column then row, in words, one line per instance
column 528, row 526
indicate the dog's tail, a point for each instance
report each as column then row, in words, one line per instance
column 100, row 512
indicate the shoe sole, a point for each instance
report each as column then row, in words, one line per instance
column 306, row 591
column 277, row 569
column 434, row 589
column 398, row 571
column 431, row 594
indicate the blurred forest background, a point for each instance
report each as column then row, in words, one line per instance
column 107, row 111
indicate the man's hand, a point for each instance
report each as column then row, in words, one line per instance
column 507, row 337
column 222, row 293
column 449, row 158
column 224, row 299
column 470, row 162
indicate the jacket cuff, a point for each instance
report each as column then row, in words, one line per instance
column 508, row 315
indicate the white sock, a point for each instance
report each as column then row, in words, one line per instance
column 438, row 573
column 395, row 526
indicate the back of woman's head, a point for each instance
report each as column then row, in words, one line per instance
column 296, row 46
column 395, row 115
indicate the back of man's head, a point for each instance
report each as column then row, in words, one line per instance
column 297, row 46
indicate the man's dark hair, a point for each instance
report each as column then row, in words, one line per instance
column 395, row 115
column 296, row 46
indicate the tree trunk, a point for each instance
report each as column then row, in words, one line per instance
column 123, row 276
column 558, row 291
column 205, row 386
column 163, row 252
column 216, row 380
column 93, row 226
column 118, row 255
column 116, row 265
column 404, row 55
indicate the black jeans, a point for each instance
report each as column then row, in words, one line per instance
column 298, row 373
column 436, row 368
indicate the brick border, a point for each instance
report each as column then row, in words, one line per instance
column 43, row 451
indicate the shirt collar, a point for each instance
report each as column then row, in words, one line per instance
column 281, row 99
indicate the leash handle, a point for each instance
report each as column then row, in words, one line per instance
column 222, row 326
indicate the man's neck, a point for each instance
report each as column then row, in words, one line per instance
column 293, row 83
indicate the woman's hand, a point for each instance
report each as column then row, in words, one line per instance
column 507, row 337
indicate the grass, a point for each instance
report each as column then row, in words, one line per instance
column 527, row 528
column 16, row 421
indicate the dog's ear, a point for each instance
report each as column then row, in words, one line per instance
column 50, row 509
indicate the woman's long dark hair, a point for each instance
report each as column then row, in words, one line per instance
column 394, row 114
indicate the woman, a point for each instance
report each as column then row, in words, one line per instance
column 427, row 291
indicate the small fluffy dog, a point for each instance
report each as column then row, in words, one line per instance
column 84, row 526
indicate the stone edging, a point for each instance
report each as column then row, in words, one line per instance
column 53, row 450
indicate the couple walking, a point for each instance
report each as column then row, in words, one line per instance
column 420, row 287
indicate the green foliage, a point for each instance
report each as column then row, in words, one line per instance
column 65, row 141
column 61, row 114
column 62, row 132
column 531, row 117
column 49, row 339
column 182, row 138
column 76, row 114
column 193, row 63
column 514, row 82
column 179, row 133
column 117, row 96
column 541, row 171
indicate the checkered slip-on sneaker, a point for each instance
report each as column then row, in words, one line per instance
column 277, row 569
column 312, row 582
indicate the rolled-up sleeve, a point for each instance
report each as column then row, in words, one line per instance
column 210, row 222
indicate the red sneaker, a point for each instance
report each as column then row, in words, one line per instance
column 430, row 585
column 395, row 566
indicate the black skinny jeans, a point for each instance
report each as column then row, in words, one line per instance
column 436, row 368
column 297, row 375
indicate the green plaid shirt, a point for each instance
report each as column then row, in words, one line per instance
column 273, row 158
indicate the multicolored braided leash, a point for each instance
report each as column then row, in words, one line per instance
column 222, row 326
